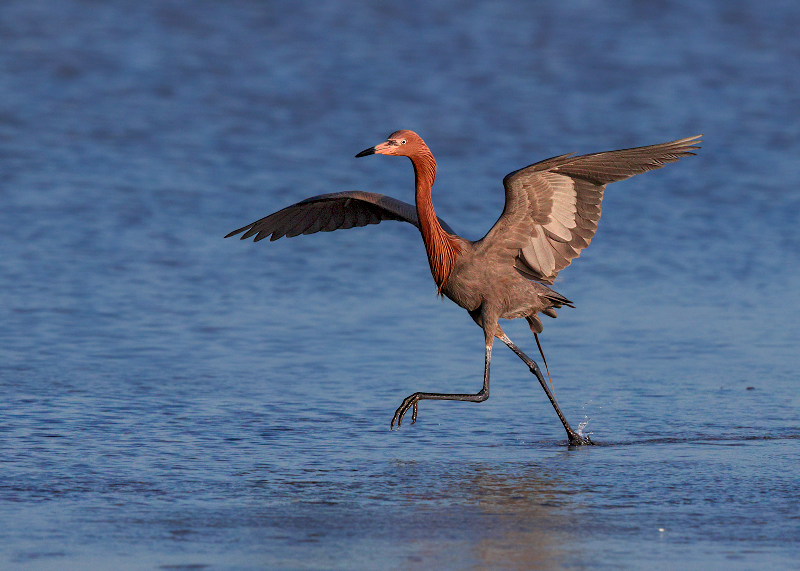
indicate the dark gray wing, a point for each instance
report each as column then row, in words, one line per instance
column 328, row 212
column 553, row 207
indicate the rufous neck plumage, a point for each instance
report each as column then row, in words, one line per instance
column 441, row 247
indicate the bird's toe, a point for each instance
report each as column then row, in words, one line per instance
column 408, row 402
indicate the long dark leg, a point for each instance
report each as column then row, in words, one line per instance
column 574, row 437
column 412, row 400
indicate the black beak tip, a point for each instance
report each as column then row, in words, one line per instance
column 365, row 152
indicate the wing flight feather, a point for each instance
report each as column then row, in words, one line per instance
column 553, row 207
column 328, row 212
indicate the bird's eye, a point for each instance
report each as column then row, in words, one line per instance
column 403, row 142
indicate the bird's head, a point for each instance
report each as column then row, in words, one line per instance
column 403, row 143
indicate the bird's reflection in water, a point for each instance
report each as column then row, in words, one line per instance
column 505, row 516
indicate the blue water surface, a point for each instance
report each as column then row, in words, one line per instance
column 173, row 400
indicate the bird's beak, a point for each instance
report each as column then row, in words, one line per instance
column 365, row 152
column 382, row 149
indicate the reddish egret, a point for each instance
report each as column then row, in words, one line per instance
column 550, row 215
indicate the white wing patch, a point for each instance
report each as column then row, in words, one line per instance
column 539, row 254
column 564, row 211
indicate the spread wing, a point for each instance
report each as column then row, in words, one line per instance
column 328, row 212
column 553, row 207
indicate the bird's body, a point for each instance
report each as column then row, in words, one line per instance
column 551, row 213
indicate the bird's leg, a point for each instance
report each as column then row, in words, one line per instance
column 574, row 437
column 412, row 400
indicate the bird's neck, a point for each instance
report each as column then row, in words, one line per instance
column 442, row 248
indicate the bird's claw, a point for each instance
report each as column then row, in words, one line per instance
column 409, row 402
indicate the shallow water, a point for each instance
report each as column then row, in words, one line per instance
column 173, row 400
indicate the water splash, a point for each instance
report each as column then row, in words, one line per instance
column 583, row 425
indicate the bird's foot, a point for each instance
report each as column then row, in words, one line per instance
column 576, row 439
column 409, row 402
